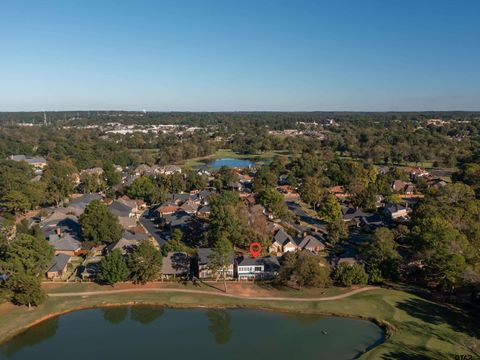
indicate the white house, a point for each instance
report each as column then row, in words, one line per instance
column 248, row 268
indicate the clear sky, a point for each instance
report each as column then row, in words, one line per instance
column 234, row 55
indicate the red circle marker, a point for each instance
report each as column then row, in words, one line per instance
column 255, row 249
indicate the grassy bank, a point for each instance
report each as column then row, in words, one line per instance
column 422, row 328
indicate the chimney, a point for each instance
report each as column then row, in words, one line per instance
column 58, row 231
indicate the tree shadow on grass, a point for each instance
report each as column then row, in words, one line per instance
column 414, row 354
column 461, row 319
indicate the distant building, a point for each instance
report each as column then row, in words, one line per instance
column 38, row 162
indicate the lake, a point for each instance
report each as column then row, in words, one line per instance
column 148, row 332
column 230, row 162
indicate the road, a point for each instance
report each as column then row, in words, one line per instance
column 151, row 226
column 203, row 292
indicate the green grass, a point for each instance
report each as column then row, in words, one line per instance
column 422, row 327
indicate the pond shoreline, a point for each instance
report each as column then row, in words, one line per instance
column 386, row 327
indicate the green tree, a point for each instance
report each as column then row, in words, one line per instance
column 112, row 176
column 91, row 183
column 99, row 225
column 274, row 202
column 195, row 181
column 145, row 263
column 311, row 272
column 27, row 254
column 304, row 269
column 311, row 191
column 337, row 231
column 382, row 255
column 348, row 275
column 142, row 188
column 228, row 218
column 113, row 268
column 330, row 209
column 15, row 202
column 175, row 244
column 58, row 181
column 26, row 289
column 264, row 179
column 221, row 257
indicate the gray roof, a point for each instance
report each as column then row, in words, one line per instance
column 394, row 208
column 205, row 209
column 204, row 194
column 282, row 238
column 67, row 224
column 125, row 245
column 350, row 213
column 176, row 263
column 309, row 242
column 120, row 208
column 184, row 197
column 59, row 262
column 204, row 256
column 84, row 200
column 64, row 242
column 29, row 159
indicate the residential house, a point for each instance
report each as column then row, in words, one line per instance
column 395, row 211
column 127, row 215
column 166, row 209
column 311, row 243
column 190, row 207
column 78, row 204
column 170, row 170
column 339, row 191
column 204, row 267
column 436, row 183
column 37, row 162
column 248, row 268
column 61, row 224
column 204, row 211
column 175, row 265
column 351, row 214
column 181, row 220
column 282, row 243
column 399, row 185
column 58, row 266
column 127, row 243
column 122, row 208
column 65, row 243
column 92, row 171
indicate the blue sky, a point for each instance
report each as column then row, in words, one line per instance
column 240, row 55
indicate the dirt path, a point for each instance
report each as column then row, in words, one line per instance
column 203, row 292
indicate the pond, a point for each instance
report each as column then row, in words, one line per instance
column 230, row 162
column 148, row 332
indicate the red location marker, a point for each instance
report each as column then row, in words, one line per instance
column 255, row 249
